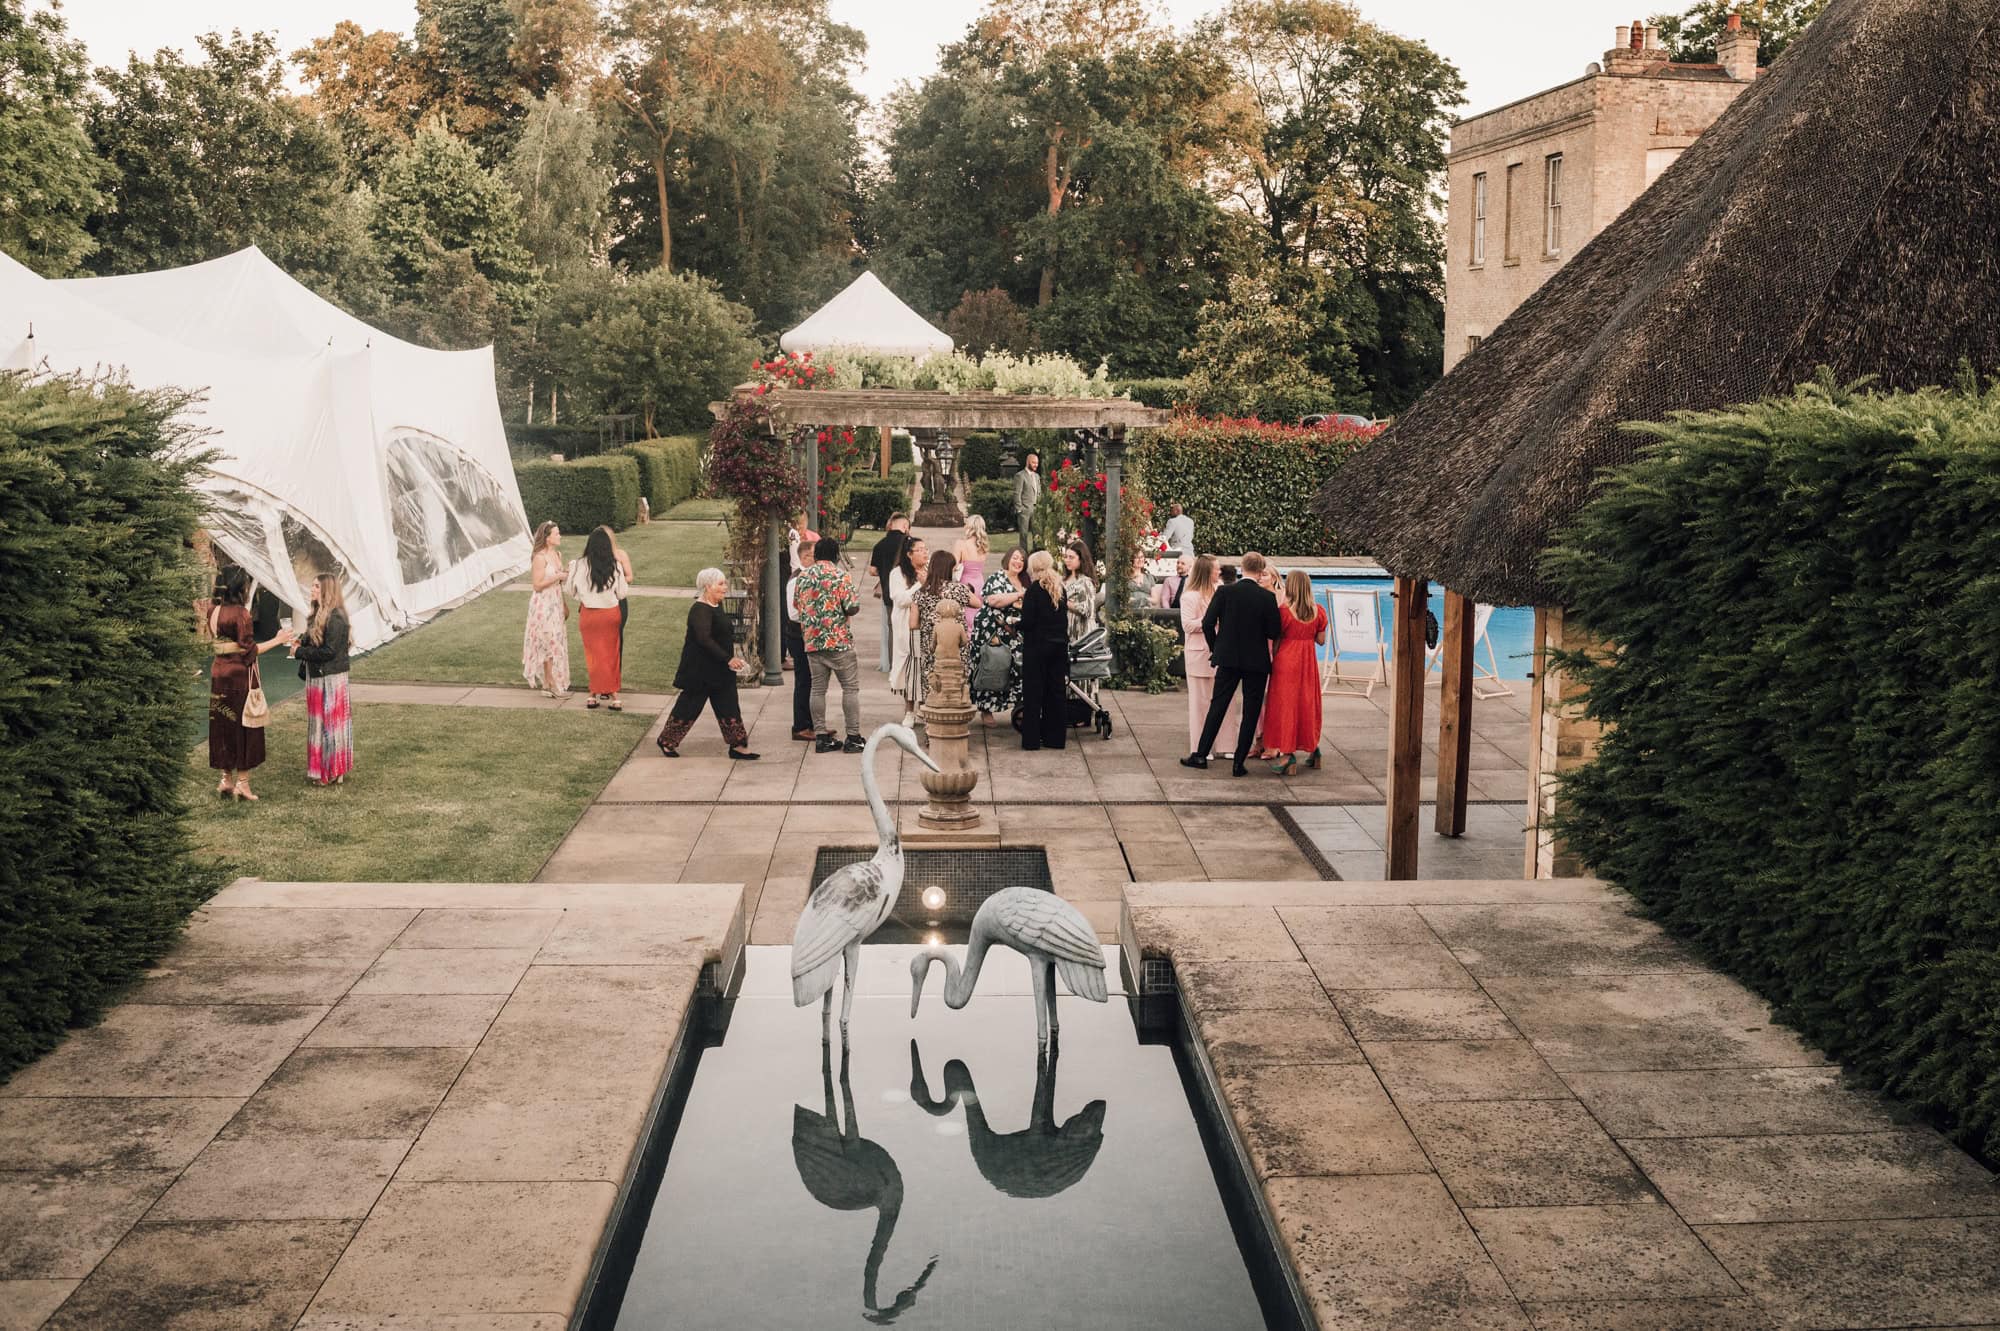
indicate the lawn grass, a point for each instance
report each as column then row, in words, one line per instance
column 698, row 510
column 669, row 554
column 438, row 794
column 480, row 643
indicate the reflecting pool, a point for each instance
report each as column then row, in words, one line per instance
column 940, row 1172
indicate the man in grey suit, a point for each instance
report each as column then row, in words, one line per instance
column 1027, row 494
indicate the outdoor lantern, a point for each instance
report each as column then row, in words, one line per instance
column 944, row 451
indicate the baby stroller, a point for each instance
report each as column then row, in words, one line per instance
column 1089, row 667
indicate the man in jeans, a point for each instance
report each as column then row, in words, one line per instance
column 826, row 601
column 888, row 552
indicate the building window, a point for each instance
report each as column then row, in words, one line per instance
column 1509, row 249
column 1552, row 229
column 1479, row 219
column 1472, row 341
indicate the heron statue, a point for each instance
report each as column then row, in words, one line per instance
column 1041, row 1159
column 852, row 902
column 1041, row 926
column 845, row 1171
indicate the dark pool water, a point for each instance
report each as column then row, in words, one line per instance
column 938, row 1174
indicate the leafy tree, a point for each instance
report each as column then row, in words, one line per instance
column 1253, row 357
column 437, row 201
column 464, row 55
column 559, row 170
column 49, row 172
column 989, row 320
column 1342, row 169
column 1120, row 267
column 209, row 157
column 1691, row 36
column 741, row 157
column 660, row 345
column 554, row 43
column 364, row 87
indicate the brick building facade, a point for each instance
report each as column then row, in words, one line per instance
column 1529, row 183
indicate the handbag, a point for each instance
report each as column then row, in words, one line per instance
column 993, row 669
column 256, row 710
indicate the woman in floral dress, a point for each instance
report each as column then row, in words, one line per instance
column 545, row 643
column 998, row 624
column 941, row 587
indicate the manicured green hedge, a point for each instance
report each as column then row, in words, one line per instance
column 669, row 469
column 994, row 501
column 904, row 473
column 1163, row 393
column 579, row 495
column 1143, row 653
column 1803, row 772
column 871, row 499
column 1247, row 485
column 980, row 456
column 97, row 646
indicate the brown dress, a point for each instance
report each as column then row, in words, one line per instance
column 232, row 746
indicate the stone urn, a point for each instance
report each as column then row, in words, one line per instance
column 947, row 714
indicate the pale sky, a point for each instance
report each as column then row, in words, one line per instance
column 1505, row 48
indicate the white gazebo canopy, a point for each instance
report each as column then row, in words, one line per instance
column 867, row 316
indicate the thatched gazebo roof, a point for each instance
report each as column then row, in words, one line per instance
column 1844, row 211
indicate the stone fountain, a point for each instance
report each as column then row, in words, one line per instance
column 947, row 715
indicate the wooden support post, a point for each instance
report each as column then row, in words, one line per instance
column 886, row 432
column 1455, row 716
column 1406, row 727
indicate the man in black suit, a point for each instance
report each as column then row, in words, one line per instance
column 1240, row 626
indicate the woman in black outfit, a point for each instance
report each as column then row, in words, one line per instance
column 1044, row 657
column 707, row 673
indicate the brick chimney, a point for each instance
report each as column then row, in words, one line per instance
column 1736, row 50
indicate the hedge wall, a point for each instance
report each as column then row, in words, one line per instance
column 1803, row 778
column 1246, row 484
column 97, row 644
column 980, row 455
column 669, row 469
column 994, row 501
column 579, row 495
column 871, row 500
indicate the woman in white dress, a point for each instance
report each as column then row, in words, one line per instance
column 904, row 580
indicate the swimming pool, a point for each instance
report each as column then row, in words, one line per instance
column 1512, row 628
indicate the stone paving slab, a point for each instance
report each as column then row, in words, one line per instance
column 1586, row 1131
column 436, row 1144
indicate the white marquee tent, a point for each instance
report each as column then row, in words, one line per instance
column 867, row 316
column 340, row 448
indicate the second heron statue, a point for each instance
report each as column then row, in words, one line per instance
column 1041, row 926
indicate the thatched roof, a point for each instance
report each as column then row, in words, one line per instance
column 1844, row 211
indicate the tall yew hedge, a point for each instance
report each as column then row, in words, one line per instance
column 97, row 650
column 1248, row 484
column 1803, row 771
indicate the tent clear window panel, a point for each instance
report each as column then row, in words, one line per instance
column 443, row 507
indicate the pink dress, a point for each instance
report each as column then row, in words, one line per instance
column 972, row 572
column 546, row 638
column 1201, row 676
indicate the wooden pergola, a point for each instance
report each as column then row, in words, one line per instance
column 891, row 408
column 1404, row 790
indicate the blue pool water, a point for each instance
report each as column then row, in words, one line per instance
column 1512, row 628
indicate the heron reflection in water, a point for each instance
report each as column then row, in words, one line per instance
column 1040, row 1160
column 845, row 1171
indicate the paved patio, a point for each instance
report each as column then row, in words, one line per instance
column 1514, row 1105
column 348, row 1105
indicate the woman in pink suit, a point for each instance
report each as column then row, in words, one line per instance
column 1195, row 596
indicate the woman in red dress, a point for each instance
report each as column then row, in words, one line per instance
column 1292, row 707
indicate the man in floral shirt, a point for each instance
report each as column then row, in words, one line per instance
column 826, row 601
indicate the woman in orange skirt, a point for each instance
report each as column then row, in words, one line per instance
column 598, row 585
column 1292, row 707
